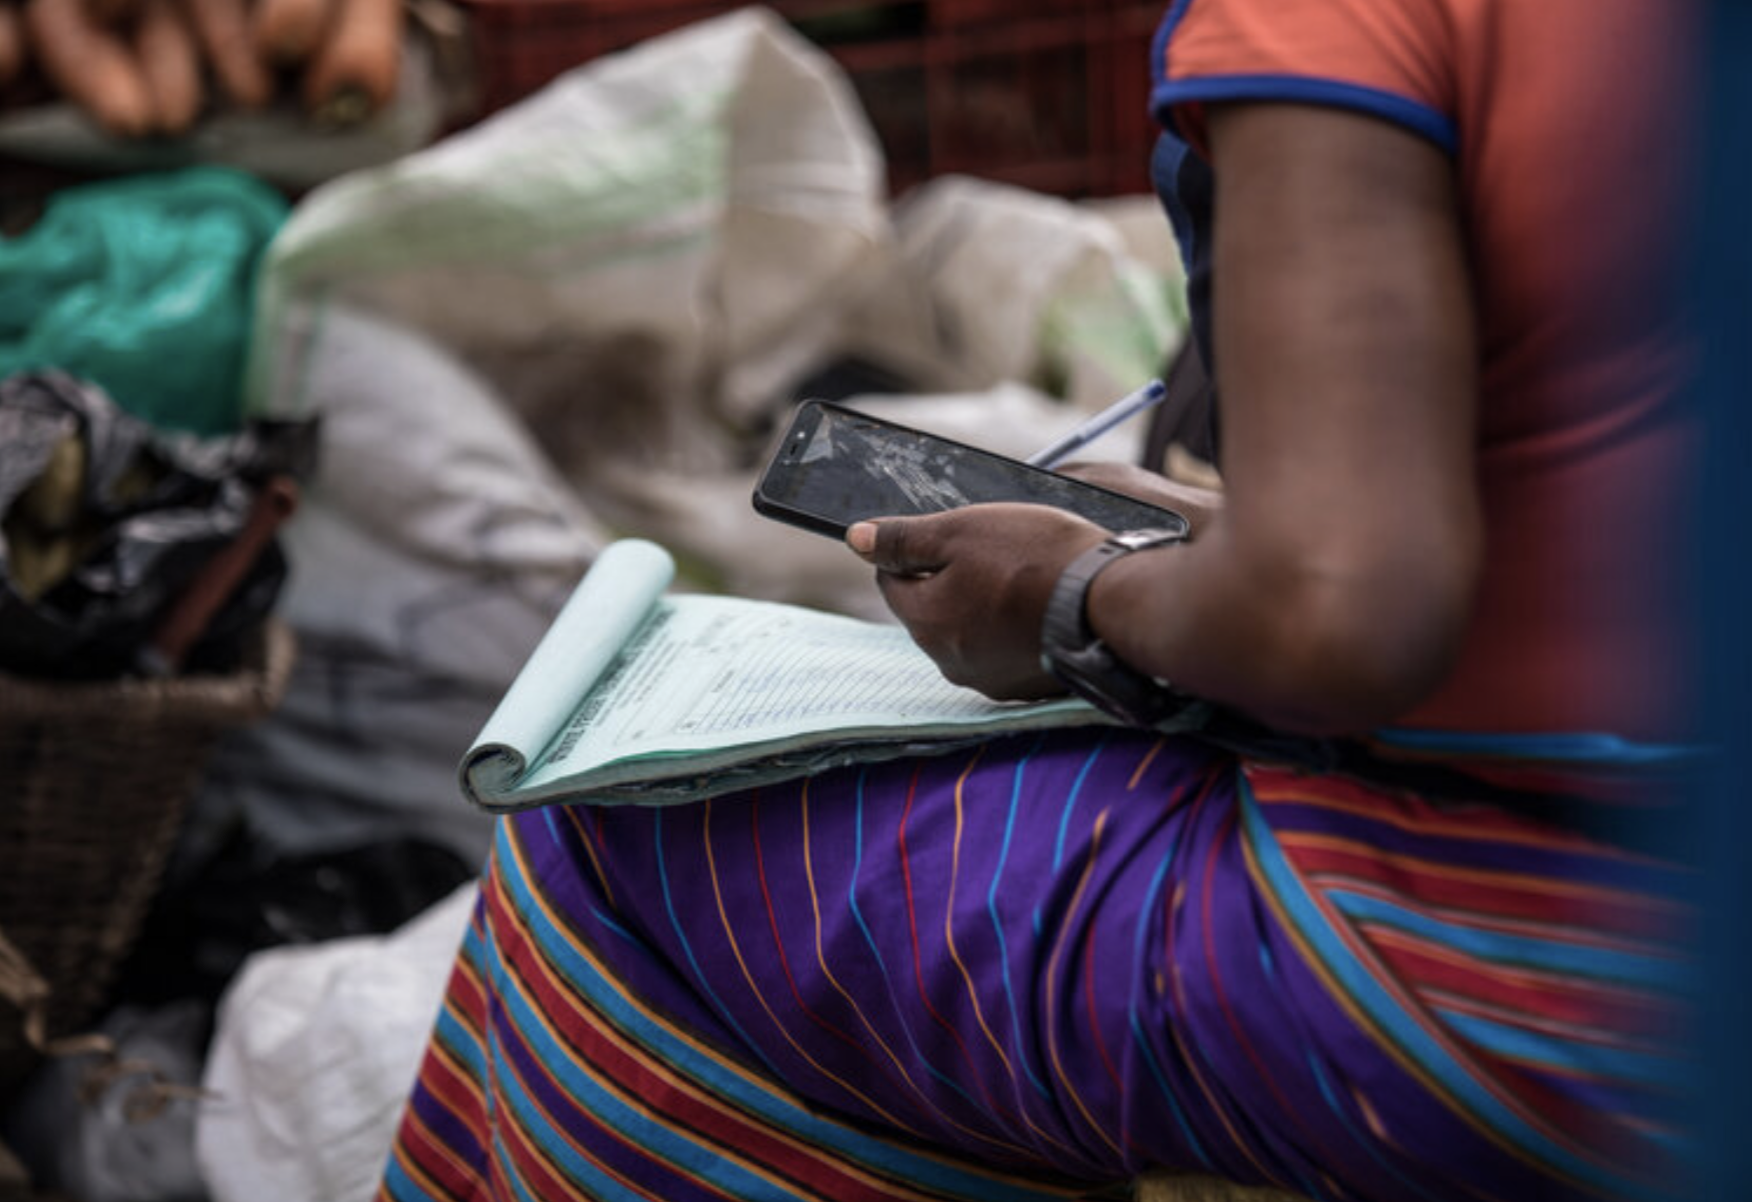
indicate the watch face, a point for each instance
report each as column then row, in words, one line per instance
column 1137, row 540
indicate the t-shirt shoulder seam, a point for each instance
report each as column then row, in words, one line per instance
column 1413, row 115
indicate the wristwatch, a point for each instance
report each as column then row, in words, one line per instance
column 1073, row 655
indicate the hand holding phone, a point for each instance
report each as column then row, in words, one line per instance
column 834, row 467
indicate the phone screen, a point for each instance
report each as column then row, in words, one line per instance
column 836, row 466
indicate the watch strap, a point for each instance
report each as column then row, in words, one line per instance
column 1067, row 616
column 1071, row 652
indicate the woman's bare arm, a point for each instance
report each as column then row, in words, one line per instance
column 1335, row 588
column 1331, row 590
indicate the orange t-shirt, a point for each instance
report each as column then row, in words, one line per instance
column 1565, row 123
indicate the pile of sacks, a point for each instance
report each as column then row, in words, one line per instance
column 581, row 319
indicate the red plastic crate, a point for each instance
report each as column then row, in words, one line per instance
column 1012, row 101
column 1131, row 128
column 951, row 13
column 521, row 45
column 1053, row 97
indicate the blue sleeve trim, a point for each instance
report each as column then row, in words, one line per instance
column 1579, row 747
column 1415, row 116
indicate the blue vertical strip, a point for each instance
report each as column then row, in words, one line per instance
column 1722, row 281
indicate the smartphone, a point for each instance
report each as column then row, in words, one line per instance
column 836, row 466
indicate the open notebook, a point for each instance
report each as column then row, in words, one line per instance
column 635, row 695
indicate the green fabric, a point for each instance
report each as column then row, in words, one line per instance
column 145, row 286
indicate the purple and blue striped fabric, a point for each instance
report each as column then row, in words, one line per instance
column 1038, row 969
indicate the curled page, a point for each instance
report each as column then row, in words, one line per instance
column 613, row 600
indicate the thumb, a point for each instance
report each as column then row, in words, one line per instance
column 898, row 546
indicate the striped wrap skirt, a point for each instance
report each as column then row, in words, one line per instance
column 1042, row 967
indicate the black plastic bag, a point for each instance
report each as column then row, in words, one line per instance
column 243, row 897
column 107, row 523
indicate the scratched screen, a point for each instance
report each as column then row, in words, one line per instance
column 852, row 467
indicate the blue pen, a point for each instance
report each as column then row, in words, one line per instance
column 1150, row 394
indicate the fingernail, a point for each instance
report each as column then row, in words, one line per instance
column 862, row 537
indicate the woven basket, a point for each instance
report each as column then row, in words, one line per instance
column 94, row 780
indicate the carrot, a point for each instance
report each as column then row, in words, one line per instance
column 355, row 69
column 12, row 48
column 90, row 65
column 289, row 31
column 171, row 64
column 222, row 28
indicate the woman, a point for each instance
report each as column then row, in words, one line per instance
column 1424, row 248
